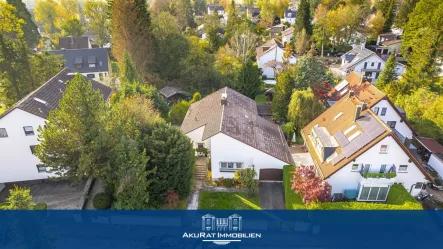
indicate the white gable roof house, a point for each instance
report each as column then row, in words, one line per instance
column 19, row 128
column 287, row 35
column 289, row 17
column 364, row 62
column 359, row 155
column 270, row 58
column 227, row 123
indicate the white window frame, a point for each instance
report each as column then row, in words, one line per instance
column 358, row 167
column 384, row 151
column 29, row 133
column 4, row 133
column 234, row 166
column 370, row 189
column 402, row 171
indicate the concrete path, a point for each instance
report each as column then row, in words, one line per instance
column 195, row 196
column 272, row 195
column 300, row 157
column 96, row 188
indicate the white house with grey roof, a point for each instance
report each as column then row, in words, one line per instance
column 228, row 125
column 365, row 62
column 93, row 63
column 289, row 16
column 270, row 58
column 19, row 129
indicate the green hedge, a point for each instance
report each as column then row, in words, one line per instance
column 102, row 201
column 38, row 206
column 398, row 199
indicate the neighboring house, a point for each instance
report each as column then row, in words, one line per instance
column 287, row 35
column 275, row 30
column 366, row 63
column 220, row 33
column 227, row 123
column 431, row 152
column 19, row 128
column 80, row 42
column 359, row 155
column 172, row 94
column 253, row 14
column 289, row 17
column 381, row 105
column 93, row 63
column 214, row 8
column 270, row 58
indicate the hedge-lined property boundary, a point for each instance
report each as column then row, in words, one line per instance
column 398, row 199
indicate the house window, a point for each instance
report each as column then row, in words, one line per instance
column 230, row 166
column 369, row 193
column 376, row 75
column 383, row 168
column 383, row 149
column 365, row 65
column 32, row 147
column 383, row 111
column 92, row 65
column 3, row 132
column 419, row 185
column 41, row 168
column 90, row 75
column 200, row 145
column 78, row 66
column 29, row 131
column 392, row 124
column 355, row 167
column 403, row 168
column 372, row 64
column 376, row 109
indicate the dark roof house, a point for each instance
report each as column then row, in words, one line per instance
column 173, row 94
column 79, row 42
column 237, row 118
column 86, row 60
column 45, row 98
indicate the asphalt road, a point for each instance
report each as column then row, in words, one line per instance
column 272, row 195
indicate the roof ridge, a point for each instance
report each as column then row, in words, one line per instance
column 223, row 111
column 31, row 93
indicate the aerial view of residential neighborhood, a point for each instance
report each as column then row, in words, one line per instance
column 221, row 105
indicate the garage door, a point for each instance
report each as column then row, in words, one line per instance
column 271, row 175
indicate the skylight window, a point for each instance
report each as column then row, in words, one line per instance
column 41, row 101
column 344, row 91
column 349, row 129
column 338, row 115
column 342, row 85
column 353, row 136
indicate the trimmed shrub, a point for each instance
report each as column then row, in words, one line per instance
column 102, row 201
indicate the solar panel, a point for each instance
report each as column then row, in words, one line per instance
column 371, row 126
column 337, row 159
column 341, row 138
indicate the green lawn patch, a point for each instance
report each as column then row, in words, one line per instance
column 228, row 200
column 38, row 206
column 261, row 98
column 398, row 199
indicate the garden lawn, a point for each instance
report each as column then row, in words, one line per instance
column 398, row 199
column 227, row 200
column 261, row 98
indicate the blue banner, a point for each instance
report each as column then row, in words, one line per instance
column 220, row 229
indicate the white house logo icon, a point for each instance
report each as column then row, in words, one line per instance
column 212, row 224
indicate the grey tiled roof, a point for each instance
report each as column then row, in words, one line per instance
column 292, row 12
column 99, row 55
column 73, row 42
column 46, row 98
column 169, row 91
column 238, row 119
column 355, row 56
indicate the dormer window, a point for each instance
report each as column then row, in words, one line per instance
column 289, row 14
column 78, row 61
column 92, row 61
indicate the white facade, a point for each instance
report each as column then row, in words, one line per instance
column 227, row 149
column 17, row 162
column 436, row 163
column 370, row 67
column 273, row 54
column 346, row 178
column 287, row 38
column 386, row 113
column 97, row 76
column 290, row 20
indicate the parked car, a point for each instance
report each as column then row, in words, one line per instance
column 437, row 184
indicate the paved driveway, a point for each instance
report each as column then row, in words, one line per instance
column 272, row 195
column 57, row 195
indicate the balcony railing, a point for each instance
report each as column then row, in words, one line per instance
column 387, row 175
